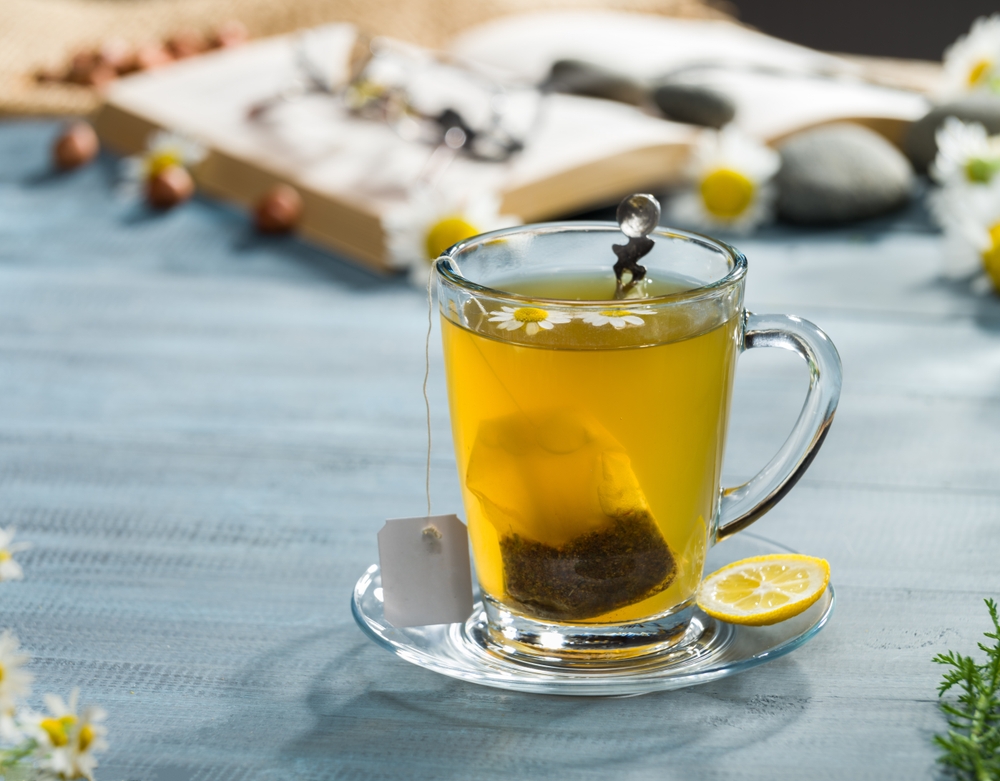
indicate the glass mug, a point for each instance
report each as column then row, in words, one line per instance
column 589, row 432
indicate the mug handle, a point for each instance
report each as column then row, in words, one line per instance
column 742, row 505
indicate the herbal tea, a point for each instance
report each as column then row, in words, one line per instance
column 589, row 458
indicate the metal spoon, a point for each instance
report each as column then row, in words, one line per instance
column 638, row 216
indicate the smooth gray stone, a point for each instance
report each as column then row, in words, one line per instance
column 921, row 145
column 578, row 77
column 839, row 173
column 694, row 105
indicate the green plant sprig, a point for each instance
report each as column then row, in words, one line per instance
column 972, row 745
column 11, row 756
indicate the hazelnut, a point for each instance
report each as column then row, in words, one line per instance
column 152, row 56
column 84, row 60
column 81, row 66
column 279, row 210
column 77, row 145
column 100, row 76
column 186, row 43
column 229, row 34
column 171, row 186
column 118, row 55
column 49, row 75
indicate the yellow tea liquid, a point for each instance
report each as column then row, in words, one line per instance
column 589, row 467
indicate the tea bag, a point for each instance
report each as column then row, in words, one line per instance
column 577, row 537
column 426, row 577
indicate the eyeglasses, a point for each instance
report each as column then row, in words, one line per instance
column 425, row 96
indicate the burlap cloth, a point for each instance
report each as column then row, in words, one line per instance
column 44, row 34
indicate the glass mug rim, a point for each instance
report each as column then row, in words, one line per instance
column 446, row 267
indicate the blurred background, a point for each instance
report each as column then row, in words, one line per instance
column 919, row 29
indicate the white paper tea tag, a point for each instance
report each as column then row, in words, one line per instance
column 426, row 576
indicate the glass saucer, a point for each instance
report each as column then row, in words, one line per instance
column 460, row 650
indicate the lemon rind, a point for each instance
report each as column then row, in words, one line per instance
column 774, row 615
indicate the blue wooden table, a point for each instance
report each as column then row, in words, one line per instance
column 201, row 432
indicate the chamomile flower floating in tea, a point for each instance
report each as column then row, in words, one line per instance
column 67, row 740
column 972, row 63
column 732, row 188
column 417, row 234
column 616, row 318
column 534, row 319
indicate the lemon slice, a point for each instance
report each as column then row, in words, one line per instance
column 764, row 590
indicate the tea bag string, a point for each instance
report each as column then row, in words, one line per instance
column 427, row 374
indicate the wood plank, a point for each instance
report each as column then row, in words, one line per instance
column 201, row 432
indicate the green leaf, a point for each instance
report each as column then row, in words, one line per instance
column 971, row 748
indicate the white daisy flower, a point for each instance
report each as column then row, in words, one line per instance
column 416, row 235
column 532, row 318
column 972, row 63
column 732, row 177
column 970, row 222
column 15, row 683
column 966, row 167
column 10, row 569
column 163, row 150
column 67, row 740
column 616, row 318
column 972, row 233
column 966, row 155
column 363, row 92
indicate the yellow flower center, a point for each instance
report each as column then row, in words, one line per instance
column 157, row 162
column 4, row 555
column 991, row 257
column 726, row 193
column 86, row 737
column 364, row 91
column 614, row 312
column 58, row 729
column 446, row 232
column 977, row 71
column 1, row 672
column 529, row 314
column 981, row 170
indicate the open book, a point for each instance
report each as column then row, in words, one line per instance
column 579, row 153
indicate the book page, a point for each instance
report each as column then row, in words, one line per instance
column 642, row 45
column 312, row 140
column 777, row 86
